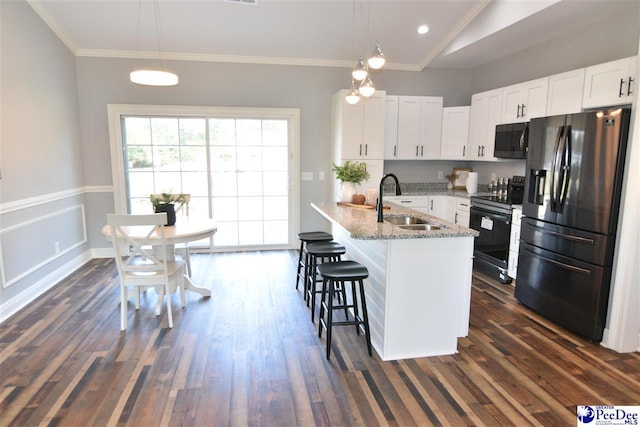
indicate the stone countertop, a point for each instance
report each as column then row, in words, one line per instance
column 453, row 193
column 362, row 223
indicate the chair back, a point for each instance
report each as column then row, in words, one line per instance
column 136, row 258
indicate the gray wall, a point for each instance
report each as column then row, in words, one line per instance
column 41, row 195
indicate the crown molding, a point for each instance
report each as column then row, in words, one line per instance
column 36, row 5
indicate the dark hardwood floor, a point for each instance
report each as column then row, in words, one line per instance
column 249, row 355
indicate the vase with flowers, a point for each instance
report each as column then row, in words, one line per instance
column 351, row 174
column 451, row 178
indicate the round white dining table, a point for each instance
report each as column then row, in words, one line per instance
column 185, row 230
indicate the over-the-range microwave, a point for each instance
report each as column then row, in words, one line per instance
column 512, row 141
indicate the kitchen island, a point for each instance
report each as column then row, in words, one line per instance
column 419, row 286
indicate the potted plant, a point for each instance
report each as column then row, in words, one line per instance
column 452, row 179
column 165, row 202
column 351, row 173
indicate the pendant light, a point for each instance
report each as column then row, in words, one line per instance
column 377, row 60
column 353, row 97
column 360, row 71
column 366, row 88
column 148, row 76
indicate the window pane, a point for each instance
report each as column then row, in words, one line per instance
column 139, row 157
column 222, row 132
column 167, row 182
column 195, row 184
column 274, row 132
column 250, row 233
column 250, row 184
column 275, row 183
column 193, row 159
column 140, row 184
column 250, row 208
column 276, row 208
column 223, row 184
column 164, row 131
column 249, row 159
column 223, row 159
column 275, row 232
column 192, row 132
column 249, row 132
column 227, row 234
column 275, row 158
column 225, row 208
column 138, row 131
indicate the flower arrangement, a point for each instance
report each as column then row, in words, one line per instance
column 351, row 171
column 166, row 199
column 451, row 177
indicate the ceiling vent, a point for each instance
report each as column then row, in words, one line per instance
column 252, row 2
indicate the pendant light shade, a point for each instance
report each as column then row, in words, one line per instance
column 377, row 60
column 153, row 78
column 353, row 97
column 360, row 71
column 367, row 88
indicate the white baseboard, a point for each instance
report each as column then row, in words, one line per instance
column 102, row 253
column 21, row 300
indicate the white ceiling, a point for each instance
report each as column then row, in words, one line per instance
column 463, row 33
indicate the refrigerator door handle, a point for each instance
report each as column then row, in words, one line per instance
column 553, row 188
column 565, row 167
column 560, row 264
column 576, row 239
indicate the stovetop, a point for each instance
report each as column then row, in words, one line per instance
column 495, row 199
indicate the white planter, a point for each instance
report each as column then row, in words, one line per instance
column 348, row 190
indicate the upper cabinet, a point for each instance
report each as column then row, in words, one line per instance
column 455, row 133
column 419, row 128
column 565, row 93
column 358, row 130
column 611, row 83
column 524, row 101
column 486, row 113
column 391, row 127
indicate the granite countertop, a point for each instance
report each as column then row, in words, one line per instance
column 362, row 223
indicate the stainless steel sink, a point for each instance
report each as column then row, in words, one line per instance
column 405, row 220
column 421, row 227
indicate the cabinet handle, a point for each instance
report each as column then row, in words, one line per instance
column 456, row 218
column 483, row 151
column 361, row 149
column 421, row 150
column 522, row 111
column 629, row 86
column 478, row 150
column 417, row 150
column 395, row 150
column 464, row 150
column 620, row 93
column 431, row 204
column 366, row 149
column 518, row 113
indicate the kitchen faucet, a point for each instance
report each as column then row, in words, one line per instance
column 398, row 192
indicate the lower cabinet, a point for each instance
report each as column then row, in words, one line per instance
column 514, row 242
column 462, row 214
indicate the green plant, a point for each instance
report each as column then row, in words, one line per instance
column 351, row 171
column 166, row 199
column 451, row 177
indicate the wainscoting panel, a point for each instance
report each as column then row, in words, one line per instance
column 27, row 246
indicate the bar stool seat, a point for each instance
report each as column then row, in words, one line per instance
column 316, row 254
column 335, row 275
column 308, row 237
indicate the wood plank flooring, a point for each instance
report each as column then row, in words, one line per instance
column 249, row 355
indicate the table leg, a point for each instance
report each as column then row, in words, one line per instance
column 190, row 286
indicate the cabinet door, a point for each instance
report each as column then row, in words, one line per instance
column 524, row 101
column 438, row 206
column 462, row 214
column 408, row 127
column 391, row 127
column 611, row 83
column 455, row 133
column 347, row 127
column 485, row 114
column 430, row 127
column 373, row 126
column 565, row 93
column 535, row 98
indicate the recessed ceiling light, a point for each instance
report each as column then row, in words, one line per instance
column 423, row 29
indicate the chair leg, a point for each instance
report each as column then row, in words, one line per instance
column 123, row 308
column 187, row 259
column 331, row 295
column 160, row 292
column 355, row 305
column 169, row 313
column 299, row 263
column 183, row 296
column 365, row 317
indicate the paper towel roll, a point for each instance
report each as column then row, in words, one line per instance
column 472, row 182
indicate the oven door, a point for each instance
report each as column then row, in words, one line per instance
column 492, row 245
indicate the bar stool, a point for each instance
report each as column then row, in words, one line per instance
column 308, row 237
column 316, row 254
column 335, row 275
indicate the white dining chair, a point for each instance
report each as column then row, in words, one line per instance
column 142, row 261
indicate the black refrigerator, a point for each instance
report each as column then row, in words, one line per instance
column 574, row 174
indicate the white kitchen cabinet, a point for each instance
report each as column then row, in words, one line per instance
column 514, row 242
column 524, row 101
column 565, row 93
column 485, row 114
column 419, row 203
column 462, row 215
column 358, row 130
column 391, row 127
column 419, row 127
column 455, row 133
column 611, row 83
column 438, row 207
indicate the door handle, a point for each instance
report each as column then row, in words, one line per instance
column 560, row 264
